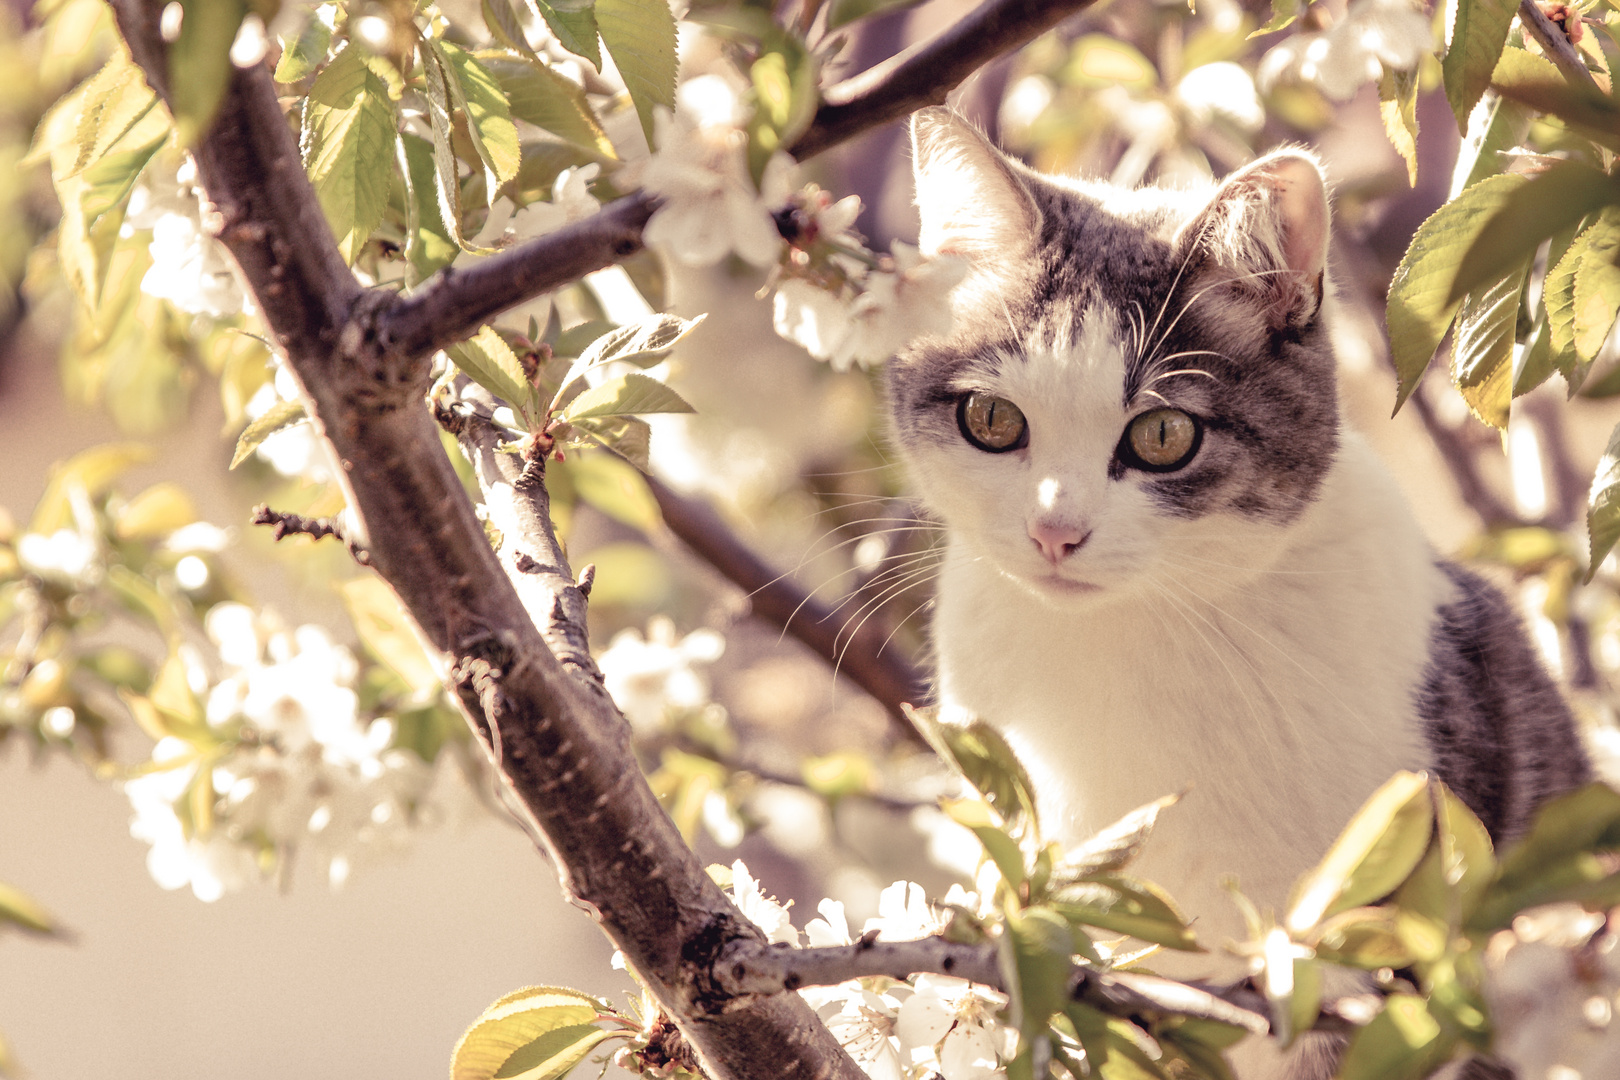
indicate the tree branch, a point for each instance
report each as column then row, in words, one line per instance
column 455, row 303
column 1463, row 464
column 1556, row 44
column 861, row 655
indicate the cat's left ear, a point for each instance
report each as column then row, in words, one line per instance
column 1268, row 224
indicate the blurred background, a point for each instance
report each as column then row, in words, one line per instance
column 761, row 751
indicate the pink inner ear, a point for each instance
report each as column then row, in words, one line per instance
column 1302, row 206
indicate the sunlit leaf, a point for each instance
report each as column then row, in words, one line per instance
column 155, row 513
column 1534, row 81
column 616, row 489
column 1479, row 30
column 446, row 166
column 490, row 362
column 1420, row 310
column 1552, row 201
column 386, row 629
column 505, row 28
column 626, row 436
column 347, row 144
column 1403, row 1042
column 517, row 1021
column 640, row 36
column 113, row 101
column 1603, row 505
column 1482, row 349
column 1100, row 60
column 542, row 97
column 1283, row 14
column 984, row 759
column 1364, row 937
column 90, row 472
column 300, row 59
column 1596, row 296
column 200, row 65
column 1116, row 846
column 979, row 817
column 575, row 29
column 1040, row 944
column 1495, row 126
column 479, row 96
column 283, row 414
column 1125, row 905
column 628, row 395
column 429, row 247
column 1376, row 851
column 1397, row 104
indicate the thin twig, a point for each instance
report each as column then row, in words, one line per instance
column 1556, row 44
column 886, row 674
column 1463, row 464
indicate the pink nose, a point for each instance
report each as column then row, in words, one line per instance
column 1057, row 540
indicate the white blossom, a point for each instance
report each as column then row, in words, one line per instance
column 190, row 269
column 831, row 929
column 571, row 201
column 863, row 1022
column 295, row 450
column 949, row 1025
column 904, row 914
column 1373, row 37
column 761, row 910
column 711, row 206
column 63, row 554
column 651, row 677
column 210, row 864
column 1222, row 89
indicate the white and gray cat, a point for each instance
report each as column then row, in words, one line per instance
column 1169, row 567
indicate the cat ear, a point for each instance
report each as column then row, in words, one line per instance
column 971, row 202
column 1269, row 222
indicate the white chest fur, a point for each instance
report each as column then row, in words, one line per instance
column 1277, row 699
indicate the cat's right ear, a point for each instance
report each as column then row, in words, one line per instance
column 971, row 202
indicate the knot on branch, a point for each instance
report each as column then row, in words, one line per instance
column 283, row 524
column 372, row 369
column 706, row 956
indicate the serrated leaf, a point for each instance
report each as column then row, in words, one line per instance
column 626, row 436
column 114, row 100
column 553, row 1054
column 446, row 167
column 429, row 247
column 108, row 180
column 1482, row 348
column 1125, row 905
column 505, row 28
column 386, row 629
column 1596, row 297
column 977, row 816
column 1495, row 126
column 490, row 362
column 1419, row 310
column 640, row 36
column 283, row 414
column 1535, row 363
column 1040, row 943
column 200, row 65
column 1534, row 81
column 514, row 1023
column 1479, row 30
column 1114, row 847
column 1380, row 846
column 20, row 911
column 91, row 472
column 1585, row 819
column 985, row 760
column 1403, row 1042
column 1603, row 506
column 479, row 96
column 1552, row 201
column 575, row 30
column 628, row 395
column 347, row 144
column 542, row 97
column 308, row 50
column 1397, row 104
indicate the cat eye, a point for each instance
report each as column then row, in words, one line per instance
column 995, row 425
column 1163, row 440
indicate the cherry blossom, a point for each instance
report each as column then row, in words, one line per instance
column 761, row 910
column 651, row 677
column 190, row 268
column 1373, row 37
column 949, row 1025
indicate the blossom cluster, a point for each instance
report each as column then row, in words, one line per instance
column 190, row 268
column 287, row 761
column 1373, row 37
column 931, row 1025
column 843, row 303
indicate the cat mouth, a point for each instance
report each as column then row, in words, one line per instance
column 1062, row 586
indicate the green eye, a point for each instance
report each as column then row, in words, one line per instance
column 993, row 424
column 1163, row 440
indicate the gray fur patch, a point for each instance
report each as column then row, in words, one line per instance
column 1498, row 729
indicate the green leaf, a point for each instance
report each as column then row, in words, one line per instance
column 347, row 144
column 1404, row 1042
column 114, row 100
column 628, row 395
column 429, row 247
column 1419, row 310
column 626, row 436
column 1479, row 30
column 91, row 472
column 542, row 97
column 22, row 912
column 617, row 490
column 446, row 167
column 1551, row 202
column 985, row 760
column 1283, row 14
column 640, row 36
column 1397, row 104
column 1535, row 363
column 1495, row 126
column 978, row 816
column 300, row 59
column 1099, row 60
column 200, row 65
column 479, row 96
column 1603, row 505
column 1482, row 349
column 553, row 1054
column 515, row 1023
column 1596, row 296
column 1040, row 945
column 1115, row 847
column 1365, row 938
column 155, row 513
column 283, row 414
column 505, row 28
column 1376, row 851
column 109, row 179
column 490, row 362
column 388, row 633
column 1582, row 820
column 1125, row 905
column 575, row 30
column 1534, row 81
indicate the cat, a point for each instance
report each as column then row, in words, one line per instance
column 1168, row 566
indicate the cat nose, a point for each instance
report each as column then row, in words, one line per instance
column 1057, row 540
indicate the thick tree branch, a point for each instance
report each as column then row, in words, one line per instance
column 861, row 654
column 456, row 303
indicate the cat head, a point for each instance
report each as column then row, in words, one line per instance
column 1135, row 378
